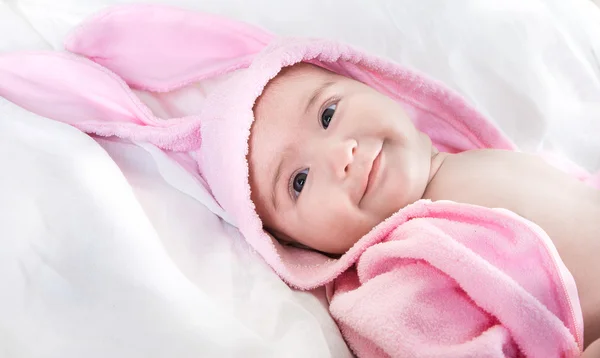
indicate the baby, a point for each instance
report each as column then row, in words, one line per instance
column 331, row 158
column 330, row 165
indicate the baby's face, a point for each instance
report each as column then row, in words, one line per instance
column 330, row 158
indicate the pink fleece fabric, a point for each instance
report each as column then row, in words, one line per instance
column 435, row 280
column 459, row 281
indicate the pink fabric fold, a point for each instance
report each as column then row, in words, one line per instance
column 434, row 280
column 79, row 92
column 162, row 48
column 460, row 281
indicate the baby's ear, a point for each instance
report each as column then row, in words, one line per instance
column 160, row 48
column 77, row 91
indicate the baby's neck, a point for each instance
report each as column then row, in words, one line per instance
column 437, row 159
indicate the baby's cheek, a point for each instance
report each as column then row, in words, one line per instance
column 329, row 216
column 333, row 226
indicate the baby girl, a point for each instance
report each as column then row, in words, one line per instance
column 431, row 235
column 331, row 158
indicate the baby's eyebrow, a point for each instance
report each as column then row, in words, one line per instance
column 276, row 178
column 317, row 94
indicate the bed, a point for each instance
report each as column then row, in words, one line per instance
column 110, row 249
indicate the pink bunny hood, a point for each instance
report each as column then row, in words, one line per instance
column 160, row 49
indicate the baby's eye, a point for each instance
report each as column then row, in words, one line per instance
column 327, row 115
column 298, row 182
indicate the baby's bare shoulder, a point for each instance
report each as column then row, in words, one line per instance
column 491, row 159
column 516, row 181
column 483, row 177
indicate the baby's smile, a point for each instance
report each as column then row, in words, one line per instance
column 375, row 171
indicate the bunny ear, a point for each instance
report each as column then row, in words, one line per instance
column 79, row 92
column 161, row 48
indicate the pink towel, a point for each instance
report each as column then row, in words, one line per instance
column 435, row 280
column 459, row 281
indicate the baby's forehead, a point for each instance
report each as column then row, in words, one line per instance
column 291, row 88
column 286, row 95
column 299, row 72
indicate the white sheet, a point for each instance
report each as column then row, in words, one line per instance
column 96, row 264
column 108, row 251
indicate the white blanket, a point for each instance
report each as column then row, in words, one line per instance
column 108, row 249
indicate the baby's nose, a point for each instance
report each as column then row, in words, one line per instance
column 341, row 156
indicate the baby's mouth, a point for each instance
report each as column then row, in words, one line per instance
column 372, row 175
